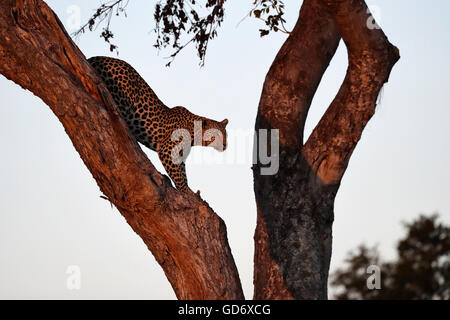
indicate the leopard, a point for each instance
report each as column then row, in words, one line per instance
column 171, row 132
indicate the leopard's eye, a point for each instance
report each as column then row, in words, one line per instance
column 213, row 138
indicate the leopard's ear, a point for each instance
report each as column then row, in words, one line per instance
column 224, row 122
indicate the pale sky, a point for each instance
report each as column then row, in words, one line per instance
column 51, row 214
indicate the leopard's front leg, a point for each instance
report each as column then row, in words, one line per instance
column 173, row 160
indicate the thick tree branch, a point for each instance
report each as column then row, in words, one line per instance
column 186, row 237
column 371, row 58
column 296, row 72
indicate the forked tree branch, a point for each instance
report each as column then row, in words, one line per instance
column 295, row 206
column 371, row 59
column 184, row 234
column 296, row 72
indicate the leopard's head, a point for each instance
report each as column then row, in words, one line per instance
column 214, row 134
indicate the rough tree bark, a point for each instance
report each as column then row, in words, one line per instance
column 295, row 206
column 184, row 234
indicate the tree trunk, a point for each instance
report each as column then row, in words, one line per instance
column 295, row 206
column 184, row 234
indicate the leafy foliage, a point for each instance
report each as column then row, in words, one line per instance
column 181, row 22
column 173, row 17
column 421, row 270
column 271, row 12
column 105, row 13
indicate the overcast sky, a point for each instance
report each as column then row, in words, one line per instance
column 51, row 214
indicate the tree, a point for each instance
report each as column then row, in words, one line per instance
column 295, row 205
column 420, row 271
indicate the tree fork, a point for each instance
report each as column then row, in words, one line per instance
column 296, row 206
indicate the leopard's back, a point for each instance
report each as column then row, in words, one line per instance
column 151, row 122
column 139, row 106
